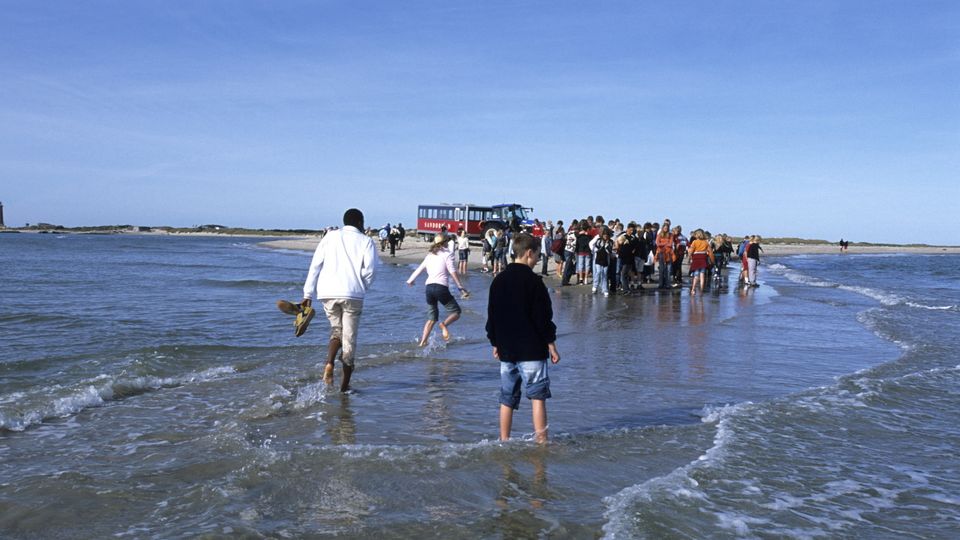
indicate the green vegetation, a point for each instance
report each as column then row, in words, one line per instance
column 789, row 240
column 206, row 229
column 238, row 231
column 795, row 241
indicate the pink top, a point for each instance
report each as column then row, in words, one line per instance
column 439, row 267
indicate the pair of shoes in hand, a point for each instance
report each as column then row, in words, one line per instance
column 303, row 313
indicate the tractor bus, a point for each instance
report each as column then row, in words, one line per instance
column 476, row 220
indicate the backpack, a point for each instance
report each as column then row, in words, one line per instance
column 557, row 246
column 603, row 255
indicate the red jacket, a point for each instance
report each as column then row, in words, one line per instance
column 665, row 248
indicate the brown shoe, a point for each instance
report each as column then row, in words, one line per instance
column 288, row 307
column 303, row 320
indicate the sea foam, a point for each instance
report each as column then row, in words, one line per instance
column 91, row 393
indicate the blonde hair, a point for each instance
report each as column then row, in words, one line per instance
column 439, row 242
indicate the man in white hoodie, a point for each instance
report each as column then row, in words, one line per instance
column 340, row 275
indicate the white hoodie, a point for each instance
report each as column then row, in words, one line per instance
column 342, row 266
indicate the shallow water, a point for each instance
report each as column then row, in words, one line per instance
column 149, row 388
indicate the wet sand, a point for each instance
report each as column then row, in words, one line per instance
column 414, row 250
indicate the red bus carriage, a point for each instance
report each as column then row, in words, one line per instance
column 475, row 219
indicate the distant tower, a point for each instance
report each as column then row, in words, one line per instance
column 1, row 216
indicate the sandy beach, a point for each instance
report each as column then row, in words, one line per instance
column 414, row 251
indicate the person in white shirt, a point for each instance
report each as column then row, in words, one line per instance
column 439, row 266
column 463, row 251
column 340, row 274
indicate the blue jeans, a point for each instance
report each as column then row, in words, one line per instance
column 533, row 374
column 665, row 273
column 600, row 278
column 569, row 266
column 625, row 270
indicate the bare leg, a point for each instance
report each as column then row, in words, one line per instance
column 506, row 422
column 333, row 347
column 347, row 372
column 447, row 322
column 539, row 420
column 427, row 328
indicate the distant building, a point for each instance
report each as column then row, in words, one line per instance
column 2, row 226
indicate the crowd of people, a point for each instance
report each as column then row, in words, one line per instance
column 391, row 236
column 614, row 257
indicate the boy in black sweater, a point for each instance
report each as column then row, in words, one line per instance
column 520, row 328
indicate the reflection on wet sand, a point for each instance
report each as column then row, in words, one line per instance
column 522, row 497
column 341, row 427
column 436, row 409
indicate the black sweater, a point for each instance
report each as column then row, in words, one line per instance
column 520, row 315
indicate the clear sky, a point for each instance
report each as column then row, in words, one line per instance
column 818, row 119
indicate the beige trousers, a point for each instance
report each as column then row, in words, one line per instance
column 344, row 317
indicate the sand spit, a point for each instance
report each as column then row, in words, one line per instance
column 413, row 251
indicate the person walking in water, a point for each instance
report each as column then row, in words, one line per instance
column 520, row 327
column 701, row 254
column 340, row 274
column 753, row 260
column 439, row 267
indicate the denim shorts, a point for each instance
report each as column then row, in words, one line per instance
column 583, row 262
column 437, row 293
column 533, row 374
column 464, row 253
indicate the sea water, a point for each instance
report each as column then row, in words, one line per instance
column 149, row 388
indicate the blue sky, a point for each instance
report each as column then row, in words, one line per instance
column 813, row 119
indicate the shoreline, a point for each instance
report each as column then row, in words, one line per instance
column 265, row 235
column 413, row 252
column 416, row 248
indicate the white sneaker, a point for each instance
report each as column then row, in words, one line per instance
column 594, row 291
column 606, row 294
